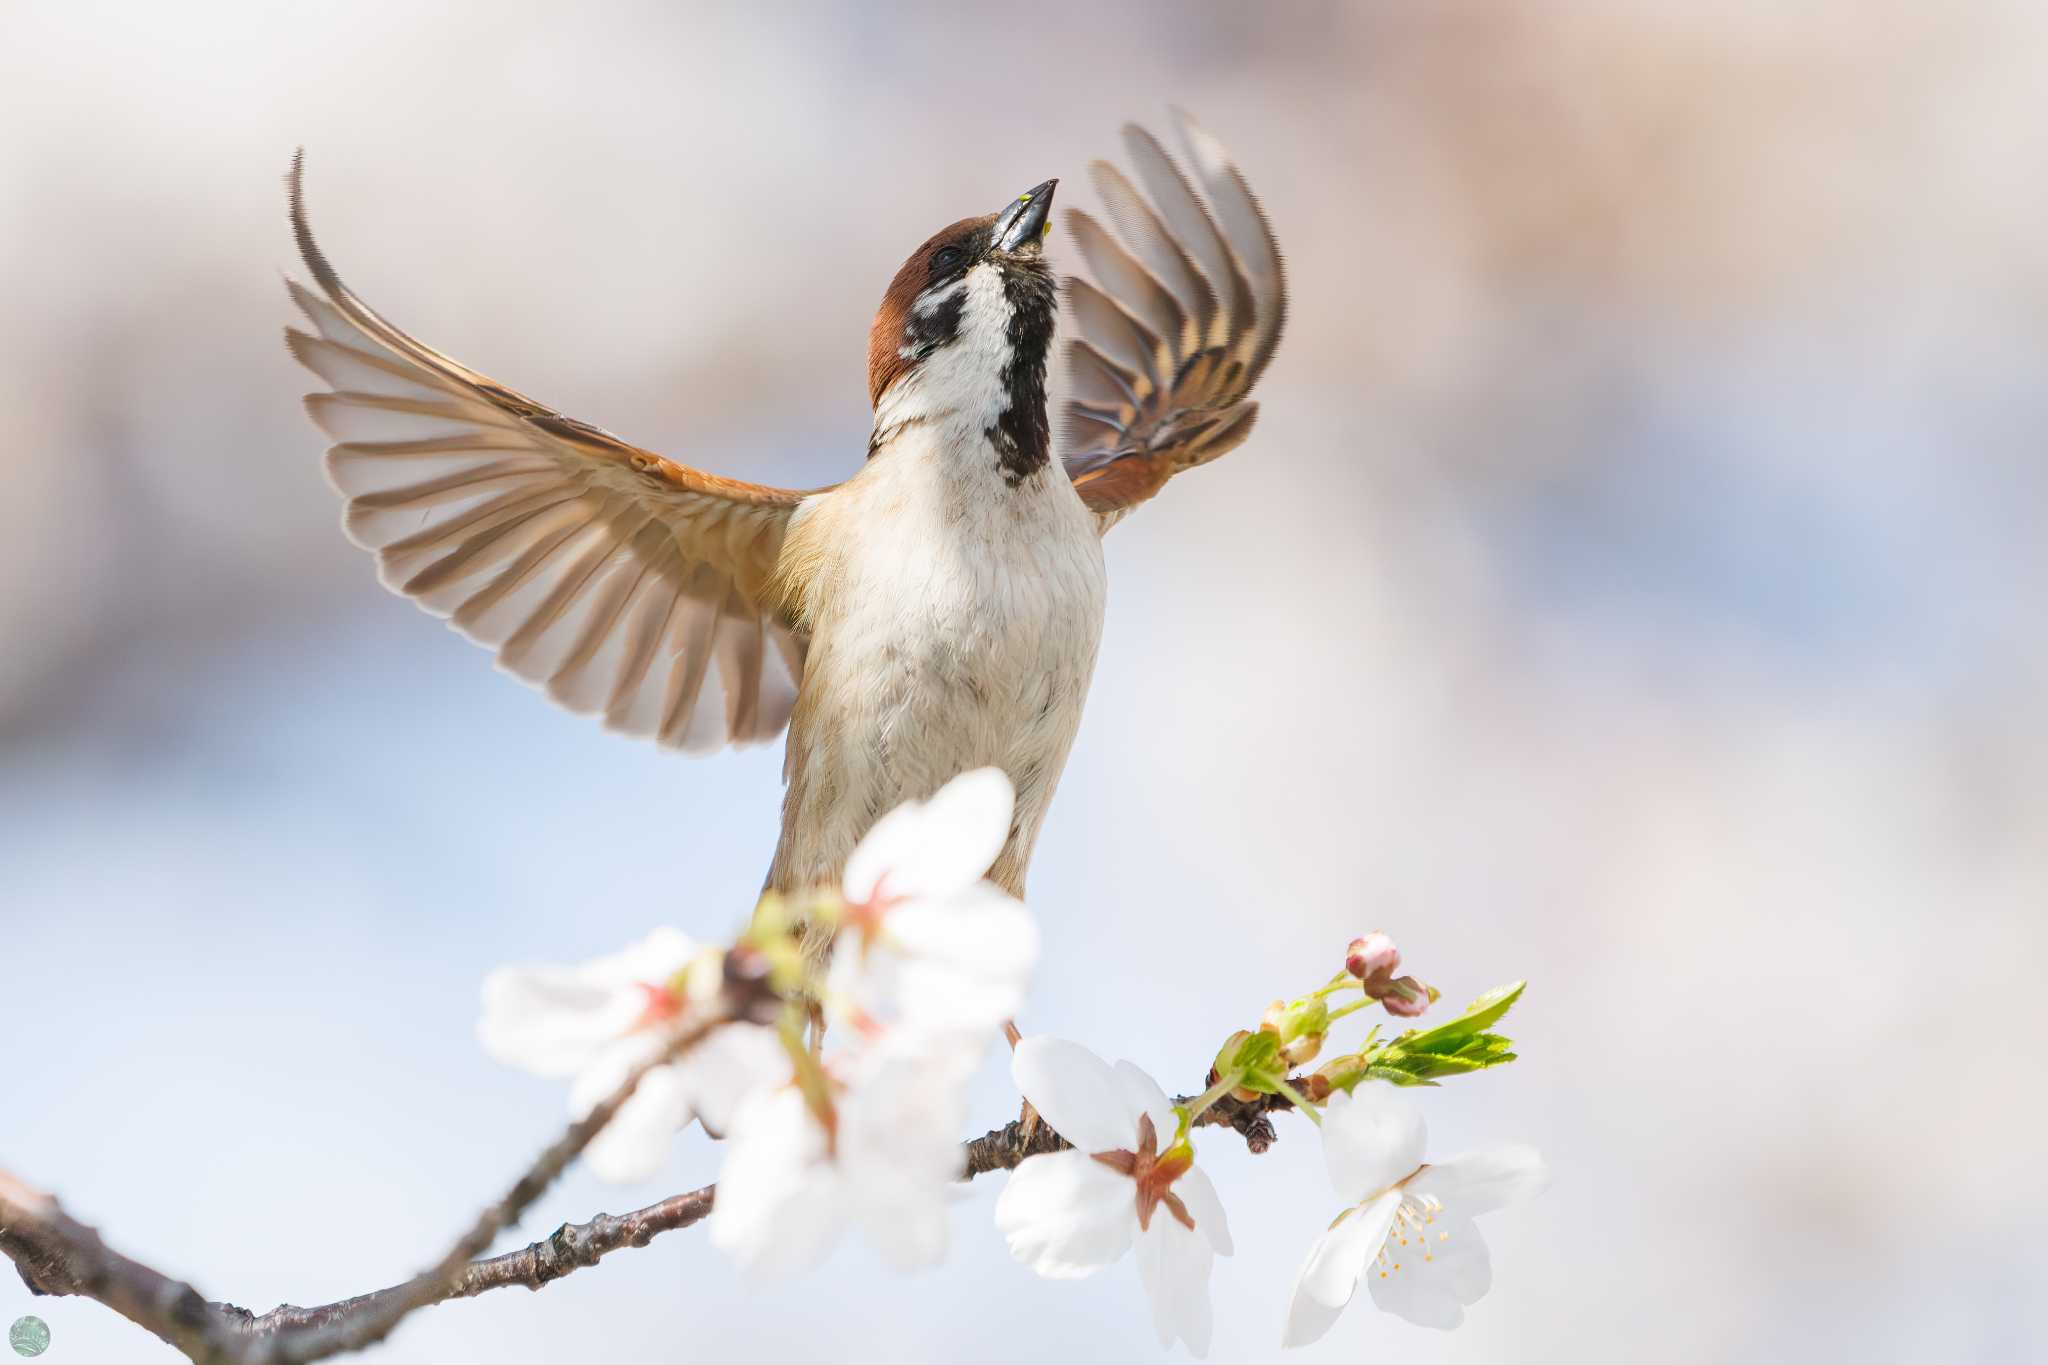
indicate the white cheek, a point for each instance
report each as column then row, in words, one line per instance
column 929, row 302
column 965, row 378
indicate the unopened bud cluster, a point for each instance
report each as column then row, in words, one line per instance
column 1294, row 1033
column 1374, row 959
column 1300, row 1026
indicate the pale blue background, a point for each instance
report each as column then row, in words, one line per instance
column 1635, row 583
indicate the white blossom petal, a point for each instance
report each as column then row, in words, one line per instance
column 729, row 1065
column 608, row 1067
column 1307, row 1320
column 1075, row 1091
column 1430, row 1282
column 786, row 1194
column 903, row 1201
column 635, row 1144
column 1066, row 1215
column 1196, row 1191
column 935, row 847
column 654, row 959
column 551, row 1020
column 1142, row 1095
column 779, row 1206
column 962, row 962
column 1174, row 1265
column 1481, row 1182
column 1460, row 1257
column 1372, row 1138
column 970, row 954
column 1334, row 1265
column 899, row 1152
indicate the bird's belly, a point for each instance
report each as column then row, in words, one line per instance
column 931, row 664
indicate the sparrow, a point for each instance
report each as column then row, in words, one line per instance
column 937, row 611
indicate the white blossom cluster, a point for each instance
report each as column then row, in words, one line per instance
column 929, row 963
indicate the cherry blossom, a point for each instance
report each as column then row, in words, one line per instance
column 594, row 1023
column 878, row 1151
column 1069, row 1214
column 929, row 960
column 927, row 943
column 1410, row 1234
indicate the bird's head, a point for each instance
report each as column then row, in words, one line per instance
column 965, row 327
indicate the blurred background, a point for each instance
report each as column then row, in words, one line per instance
column 1634, row 584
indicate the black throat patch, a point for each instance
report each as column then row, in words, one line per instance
column 1022, row 436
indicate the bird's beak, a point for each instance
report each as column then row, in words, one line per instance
column 1024, row 221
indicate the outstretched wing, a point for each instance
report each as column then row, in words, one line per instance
column 621, row 583
column 1184, row 315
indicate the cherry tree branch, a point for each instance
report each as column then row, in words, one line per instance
column 1001, row 1149
column 570, row 1247
column 58, row 1255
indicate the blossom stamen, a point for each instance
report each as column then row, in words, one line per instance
column 1370, row 1135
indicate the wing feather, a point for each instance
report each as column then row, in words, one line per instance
column 1118, row 336
column 615, row 580
column 1153, row 245
column 1144, row 297
column 1184, row 315
column 1098, row 383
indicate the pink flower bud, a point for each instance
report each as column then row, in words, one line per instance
column 1407, row 998
column 1373, row 958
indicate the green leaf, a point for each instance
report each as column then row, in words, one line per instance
column 1380, row 1072
column 1455, row 1048
column 1490, row 1008
column 1478, row 1015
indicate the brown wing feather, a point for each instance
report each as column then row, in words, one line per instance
column 1184, row 316
column 620, row 582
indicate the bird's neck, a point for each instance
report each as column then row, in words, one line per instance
column 983, row 395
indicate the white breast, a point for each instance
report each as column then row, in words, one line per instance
column 954, row 621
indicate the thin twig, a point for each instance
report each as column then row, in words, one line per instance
column 1001, row 1149
column 56, row 1254
column 570, row 1247
column 355, row 1331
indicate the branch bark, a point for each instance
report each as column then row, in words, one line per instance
column 58, row 1255
column 570, row 1247
column 1001, row 1149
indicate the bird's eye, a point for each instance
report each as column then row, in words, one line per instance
column 947, row 257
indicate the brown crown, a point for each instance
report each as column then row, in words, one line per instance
column 886, row 361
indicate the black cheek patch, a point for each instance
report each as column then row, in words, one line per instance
column 927, row 330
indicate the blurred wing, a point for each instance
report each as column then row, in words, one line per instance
column 621, row 583
column 1185, row 312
